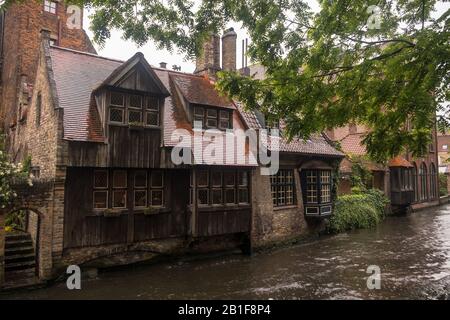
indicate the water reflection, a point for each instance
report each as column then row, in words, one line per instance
column 412, row 252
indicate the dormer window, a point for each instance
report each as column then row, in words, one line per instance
column 212, row 118
column 133, row 109
column 50, row 6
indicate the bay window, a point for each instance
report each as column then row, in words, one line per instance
column 317, row 189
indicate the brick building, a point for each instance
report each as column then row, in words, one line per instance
column 100, row 134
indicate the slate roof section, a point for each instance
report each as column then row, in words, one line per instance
column 199, row 90
column 77, row 75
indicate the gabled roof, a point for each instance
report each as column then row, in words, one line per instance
column 77, row 75
column 199, row 90
column 117, row 75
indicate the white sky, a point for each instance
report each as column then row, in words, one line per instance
column 118, row 48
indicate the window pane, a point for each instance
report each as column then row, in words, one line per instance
column 311, row 193
column 157, row 198
column 216, row 196
column 153, row 103
column 325, row 177
column 100, row 199
column 117, row 99
column 224, row 115
column 224, row 124
column 120, row 199
column 230, row 196
column 101, row 179
column 211, row 113
column 203, row 197
column 243, row 195
column 135, row 101
column 211, row 123
column 274, row 195
column 289, row 177
column 289, row 195
column 229, row 179
column 199, row 111
column 216, row 179
column 157, row 179
column 282, row 195
column 140, row 179
column 243, row 179
column 116, row 115
column 281, row 177
column 203, row 178
column 326, row 193
column 134, row 117
column 140, row 198
column 120, row 179
column 311, row 177
column 152, row 119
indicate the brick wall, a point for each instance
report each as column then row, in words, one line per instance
column 23, row 24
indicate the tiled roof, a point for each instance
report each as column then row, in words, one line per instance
column 199, row 90
column 76, row 76
column 316, row 145
column 352, row 144
column 400, row 162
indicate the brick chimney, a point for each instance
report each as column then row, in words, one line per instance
column 229, row 50
column 209, row 62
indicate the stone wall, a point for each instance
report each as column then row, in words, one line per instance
column 274, row 225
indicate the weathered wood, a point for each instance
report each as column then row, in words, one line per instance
column 224, row 221
column 126, row 148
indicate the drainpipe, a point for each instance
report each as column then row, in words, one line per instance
column 2, row 248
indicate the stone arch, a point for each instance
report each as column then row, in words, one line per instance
column 37, row 199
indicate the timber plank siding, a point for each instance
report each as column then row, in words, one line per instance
column 126, row 148
column 88, row 227
column 223, row 221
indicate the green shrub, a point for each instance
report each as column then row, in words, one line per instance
column 358, row 211
column 443, row 184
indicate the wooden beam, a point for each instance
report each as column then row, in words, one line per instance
column 194, row 216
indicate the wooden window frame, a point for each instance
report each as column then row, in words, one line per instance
column 319, row 186
column 156, row 189
column 279, row 187
column 100, row 189
column 50, row 6
column 145, row 110
column 223, row 188
column 204, row 117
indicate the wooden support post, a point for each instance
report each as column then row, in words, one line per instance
column 194, row 216
column 2, row 248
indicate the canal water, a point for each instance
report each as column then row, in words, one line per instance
column 413, row 253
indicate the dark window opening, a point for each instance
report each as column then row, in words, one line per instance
column 213, row 118
column 221, row 187
column 283, row 188
column 38, row 109
column 136, row 110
